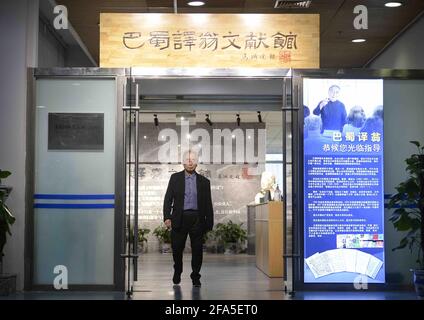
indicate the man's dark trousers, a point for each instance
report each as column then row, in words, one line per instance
column 190, row 226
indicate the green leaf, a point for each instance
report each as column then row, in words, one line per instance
column 415, row 224
column 412, row 187
column 394, row 199
column 412, row 242
column 404, row 223
column 416, row 143
column 10, row 219
column 4, row 174
column 397, row 214
column 411, row 235
column 406, row 217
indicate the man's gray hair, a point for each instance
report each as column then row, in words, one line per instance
column 334, row 86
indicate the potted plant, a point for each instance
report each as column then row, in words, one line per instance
column 408, row 215
column 212, row 242
column 232, row 235
column 142, row 239
column 7, row 282
column 164, row 236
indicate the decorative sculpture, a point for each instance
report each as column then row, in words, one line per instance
column 268, row 185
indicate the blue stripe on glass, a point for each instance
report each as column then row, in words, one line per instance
column 75, row 196
column 412, row 206
column 74, row 205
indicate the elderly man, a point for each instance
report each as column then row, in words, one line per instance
column 188, row 210
column 332, row 111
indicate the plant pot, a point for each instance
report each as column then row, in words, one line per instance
column 142, row 248
column 211, row 246
column 165, row 248
column 231, row 248
column 217, row 248
column 7, row 284
column 419, row 283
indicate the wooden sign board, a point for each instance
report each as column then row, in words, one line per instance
column 209, row 40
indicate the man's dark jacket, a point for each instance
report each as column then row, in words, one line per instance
column 173, row 205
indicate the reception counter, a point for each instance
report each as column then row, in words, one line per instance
column 269, row 238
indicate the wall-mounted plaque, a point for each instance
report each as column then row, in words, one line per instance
column 76, row 131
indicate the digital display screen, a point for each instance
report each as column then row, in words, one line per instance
column 343, row 181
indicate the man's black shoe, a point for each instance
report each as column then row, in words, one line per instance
column 196, row 283
column 176, row 279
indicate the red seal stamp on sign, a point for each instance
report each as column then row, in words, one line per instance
column 285, row 56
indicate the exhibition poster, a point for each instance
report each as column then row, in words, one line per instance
column 343, row 181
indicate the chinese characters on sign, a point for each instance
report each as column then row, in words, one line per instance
column 207, row 41
column 164, row 40
column 350, row 137
column 221, row 40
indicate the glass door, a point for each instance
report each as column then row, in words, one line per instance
column 194, row 100
column 131, row 176
column 74, row 183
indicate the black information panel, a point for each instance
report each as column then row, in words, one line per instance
column 76, row 131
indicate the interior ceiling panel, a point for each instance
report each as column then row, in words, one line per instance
column 336, row 20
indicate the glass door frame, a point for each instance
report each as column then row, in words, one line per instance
column 234, row 73
column 121, row 76
column 33, row 74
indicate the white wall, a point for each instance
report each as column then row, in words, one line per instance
column 13, row 85
column 405, row 52
column 403, row 122
column 22, row 46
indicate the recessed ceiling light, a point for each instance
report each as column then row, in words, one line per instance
column 393, row 4
column 358, row 40
column 196, row 3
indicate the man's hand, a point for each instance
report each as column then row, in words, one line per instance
column 323, row 103
column 168, row 223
